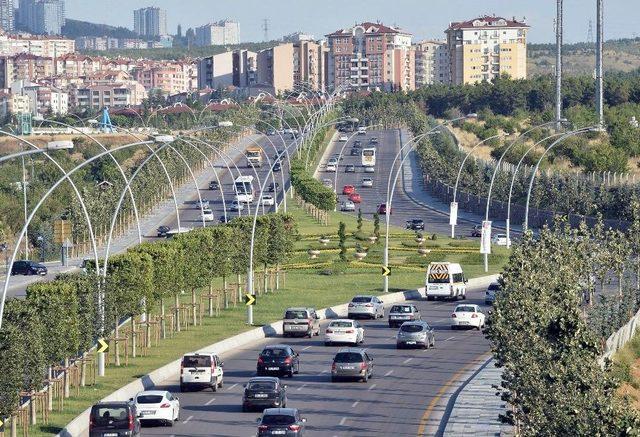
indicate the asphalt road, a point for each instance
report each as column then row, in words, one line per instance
column 393, row 402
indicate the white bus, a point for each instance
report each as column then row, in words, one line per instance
column 244, row 189
column 369, row 157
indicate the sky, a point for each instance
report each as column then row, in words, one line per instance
column 422, row 18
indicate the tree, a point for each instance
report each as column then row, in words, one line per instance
column 85, row 288
column 359, row 220
column 11, row 374
column 376, row 224
column 342, row 236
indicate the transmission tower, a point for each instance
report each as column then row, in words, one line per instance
column 265, row 29
column 590, row 37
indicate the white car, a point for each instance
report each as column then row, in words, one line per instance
column 501, row 240
column 268, row 200
column 343, row 138
column 157, row 405
column 207, row 215
column 236, row 206
column 344, row 331
column 327, row 183
column 348, row 205
column 467, row 316
column 369, row 169
column 367, row 183
column 365, row 306
column 332, row 168
column 202, row 204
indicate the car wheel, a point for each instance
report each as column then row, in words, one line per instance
column 464, row 296
column 310, row 334
column 290, row 373
column 285, row 335
column 334, row 379
column 429, row 298
column 169, row 423
column 214, row 387
column 453, row 327
column 245, row 409
column 365, row 378
column 221, row 383
column 182, row 388
column 478, row 328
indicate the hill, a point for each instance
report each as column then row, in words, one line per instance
column 75, row 29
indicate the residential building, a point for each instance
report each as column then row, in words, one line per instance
column 150, row 22
column 7, row 15
column 168, row 77
column 43, row 100
column 48, row 17
column 296, row 37
column 371, row 56
column 485, row 48
column 114, row 89
column 224, row 32
column 275, row 69
column 38, row 45
column 432, row 63
column 24, row 66
column 19, row 104
column 310, row 64
column 245, row 68
column 24, row 14
column 217, row 71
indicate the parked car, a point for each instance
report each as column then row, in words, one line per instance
column 490, row 295
column 264, row 392
column 268, row 200
column 415, row 224
column 157, row 406
column 344, row 331
column 355, row 197
column 207, row 215
column 382, row 209
column 201, row 370
column 114, row 419
column 350, row 168
column 162, row 231
column 281, row 421
column 367, row 183
column 352, row 363
column 279, row 359
column 348, row 189
column 273, row 187
column 348, row 206
column 365, row 306
column 501, row 240
column 369, row 169
column 476, row 231
column 415, row 334
column 29, row 268
column 467, row 316
column 300, row 322
column 355, row 151
column 214, row 185
column 398, row 314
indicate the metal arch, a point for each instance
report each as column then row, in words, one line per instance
column 45, row 197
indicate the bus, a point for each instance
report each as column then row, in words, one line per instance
column 244, row 189
column 254, row 156
column 369, row 157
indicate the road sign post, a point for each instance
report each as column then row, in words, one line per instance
column 485, row 243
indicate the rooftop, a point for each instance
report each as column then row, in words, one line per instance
column 369, row 28
column 490, row 21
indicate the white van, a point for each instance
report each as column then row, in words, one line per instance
column 201, row 370
column 445, row 281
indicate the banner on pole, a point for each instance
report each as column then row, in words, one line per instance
column 485, row 238
column 453, row 213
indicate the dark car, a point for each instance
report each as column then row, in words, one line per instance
column 273, row 186
column 114, row 419
column 357, row 144
column 163, row 231
column 224, row 219
column 28, row 268
column 415, row 225
column 279, row 359
column 350, row 168
column 281, row 422
column 355, row 152
column 264, row 392
column 374, row 140
column 214, row 185
column 352, row 363
column 277, row 167
column 476, row 231
column 382, row 209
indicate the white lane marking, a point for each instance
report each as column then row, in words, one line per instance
column 354, row 404
column 342, row 421
column 188, row 419
column 450, row 338
column 301, row 387
column 388, row 373
column 232, row 387
column 372, row 387
column 210, row 401
column 441, row 320
column 324, row 371
column 407, row 360
column 305, row 348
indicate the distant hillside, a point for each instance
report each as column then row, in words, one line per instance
column 619, row 55
column 75, row 29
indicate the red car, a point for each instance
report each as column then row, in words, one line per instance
column 382, row 209
column 348, row 189
column 355, row 197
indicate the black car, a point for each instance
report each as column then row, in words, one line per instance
column 476, row 231
column 214, row 185
column 163, row 231
column 28, row 268
column 277, row 167
column 264, row 392
column 355, row 152
column 350, row 168
column 281, row 421
column 273, row 186
column 279, row 359
column 224, row 219
column 357, row 144
column 373, row 140
column 415, row 225
column 114, row 419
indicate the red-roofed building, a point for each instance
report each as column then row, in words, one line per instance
column 486, row 47
column 371, row 56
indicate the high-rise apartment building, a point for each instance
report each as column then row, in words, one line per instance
column 432, row 63
column 41, row 16
column 275, row 69
column 150, row 22
column 310, row 64
column 221, row 33
column 371, row 56
column 7, row 15
column 486, row 47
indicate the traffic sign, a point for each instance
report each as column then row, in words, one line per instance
column 61, row 231
column 1, row 424
column 386, row 271
column 249, row 299
column 103, row 346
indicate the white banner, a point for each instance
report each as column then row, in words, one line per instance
column 485, row 238
column 453, row 213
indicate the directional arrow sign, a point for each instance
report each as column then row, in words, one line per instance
column 386, row 271
column 103, row 346
column 249, row 299
column 1, row 424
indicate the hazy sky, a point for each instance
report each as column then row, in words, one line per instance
column 423, row 18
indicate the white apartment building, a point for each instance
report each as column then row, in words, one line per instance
column 45, row 46
column 224, row 32
column 216, row 71
column 432, row 63
column 150, row 22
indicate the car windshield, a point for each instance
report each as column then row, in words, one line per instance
column 278, row 419
column 108, row 415
column 274, row 352
column 494, row 287
column 342, row 324
column 300, row 314
column 348, row 357
column 501, row 236
column 465, row 309
column 149, row 399
column 196, row 361
column 262, row 385
column 361, row 299
column 411, row 328
column 400, row 309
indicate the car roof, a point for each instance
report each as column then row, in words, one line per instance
column 152, row 392
column 357, row 350
column 276, row 346
column 284, row 411
column 467, row 305
column 299, row 309
column 415, row 322
column 363, row 295
column 265, row 379
column 341, row 320
column 113, row 404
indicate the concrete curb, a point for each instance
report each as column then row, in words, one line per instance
column 79, row 426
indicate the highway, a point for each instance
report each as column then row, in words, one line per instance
column 393, row 402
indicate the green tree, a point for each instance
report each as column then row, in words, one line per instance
column 11, row 374
column 376, row 225
column 359, row 220
column 342, row 237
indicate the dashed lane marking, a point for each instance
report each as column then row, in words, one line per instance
column 388, row 373
column 450, row 338
column 232, row 387
column 342, row 421
column 372, row 387
column 305, row 348
column 187, row 419
column 210, row 401
column 355, row 404
column 407, row 360
column 301, row 387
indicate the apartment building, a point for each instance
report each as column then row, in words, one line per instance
column 150, row 22
column 275, row 69
column 245, row 68
column 24, row 66
column 224, row 32
column 168, row 77
column 485, row 48
column 42, row 16
column 217, row 71
column 38, row 45
column 7, row 16
column 432, row 63
column 310, row 61
column 371, row 56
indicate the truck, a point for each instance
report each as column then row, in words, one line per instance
column 254, row 156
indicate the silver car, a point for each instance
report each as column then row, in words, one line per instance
column 348, row 205
column 398, row 314
column 365, row 306
column 415, row 334
column 352, row 363
column 367, row 182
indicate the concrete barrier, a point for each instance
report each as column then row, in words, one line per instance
column 618, row 339
column 80, row 425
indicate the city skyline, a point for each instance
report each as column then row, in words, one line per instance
column 421, row 19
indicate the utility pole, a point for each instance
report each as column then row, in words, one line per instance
column 26, row 215
column 599, row 73
column 559, row 32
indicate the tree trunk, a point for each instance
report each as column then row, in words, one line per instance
column 14, row 426
column 134, row 337
column 83, row 370
column 194, row 308
column 239, row 297
column 33, row 411
column 177, row 317
column 277, row 276
column 265, row 281
column 211, row 299
column 163, row 326
column 50, row 390
column 224, row 290
column 66, row 377
column 117, row 343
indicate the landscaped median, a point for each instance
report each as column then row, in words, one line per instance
column 79, row 426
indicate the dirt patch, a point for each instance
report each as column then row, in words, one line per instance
column 468, row 140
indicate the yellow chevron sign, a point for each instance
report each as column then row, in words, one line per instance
column 249, row 299
column 386, row 271
column 103, row 346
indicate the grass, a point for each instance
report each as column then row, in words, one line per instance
column 626, row 367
